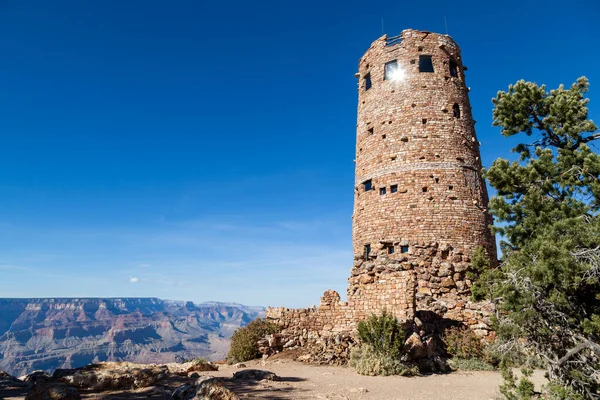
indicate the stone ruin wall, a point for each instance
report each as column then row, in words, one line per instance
column 393, row 292
column 419, row 198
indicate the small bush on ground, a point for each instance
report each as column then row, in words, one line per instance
column 383, row 333
column 381, row 348
column 366, row 361
column 467, row 350
column 243, row 342
column 470, row 364
column 461, row 342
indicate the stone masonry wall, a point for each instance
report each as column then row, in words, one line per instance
column 393, row 292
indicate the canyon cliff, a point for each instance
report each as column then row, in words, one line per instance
column 45, row 334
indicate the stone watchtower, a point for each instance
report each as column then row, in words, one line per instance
column 419, row 198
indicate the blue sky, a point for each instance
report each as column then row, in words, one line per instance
column 202, row 150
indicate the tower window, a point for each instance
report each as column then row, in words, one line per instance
column 382, row 190
column 404, row 249
column 390, row 69
column 368, row 185
column 425, row 64
column 453, row 68
column 367, row 251
column 425, row 189
column 394, row 188
column 456, row 110
column 390, row 249
column 370, row 131
column 368, row 81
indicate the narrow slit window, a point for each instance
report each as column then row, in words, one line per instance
column 368, row 185
column 404, row 249
column 456, row 110
column 394, row 188
column 367, row 250
column 391, row 69
column 382, row 190
column 453, row 68
column 425, row 64
column 368, row 83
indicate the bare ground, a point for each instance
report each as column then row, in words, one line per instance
column 303, row 381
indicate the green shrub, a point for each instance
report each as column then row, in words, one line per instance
column 470, row 364
column 463, row 343
column 384, row 334
column 553, row 391
column 243, row 342
column 366, row 361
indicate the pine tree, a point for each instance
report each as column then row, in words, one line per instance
column 547, row 288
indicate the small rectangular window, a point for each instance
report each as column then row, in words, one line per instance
column 453, row 68
column 425, row 64
column 390, row 69
column 368, row 185
column 368, row 81
column 390, row 249
column 367, row 250
column 403, row 249
column 382, row 190
column 456, row 110
column 394, row 188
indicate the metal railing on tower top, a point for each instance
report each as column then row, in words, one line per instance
column 392, row 40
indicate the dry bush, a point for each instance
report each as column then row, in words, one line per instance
column 366, row 361
column 243, row 342
column 461, row 342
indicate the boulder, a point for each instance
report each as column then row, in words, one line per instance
column 200, row 365
column 206, row 388
column 415, row 347
column 53, row 391
column 37, row 377
column 254, row 375
column 9, row 381
column 112, row 376
column 213, row 390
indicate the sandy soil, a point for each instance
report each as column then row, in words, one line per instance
column 303, row 381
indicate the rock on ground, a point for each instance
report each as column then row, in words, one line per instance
column 53, row 391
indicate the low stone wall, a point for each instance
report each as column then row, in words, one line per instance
column 393, row 292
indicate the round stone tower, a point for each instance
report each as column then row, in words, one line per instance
column 419, row 198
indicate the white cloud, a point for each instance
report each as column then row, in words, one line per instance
column 135, row 279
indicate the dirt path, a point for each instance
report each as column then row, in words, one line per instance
column 302, row 381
